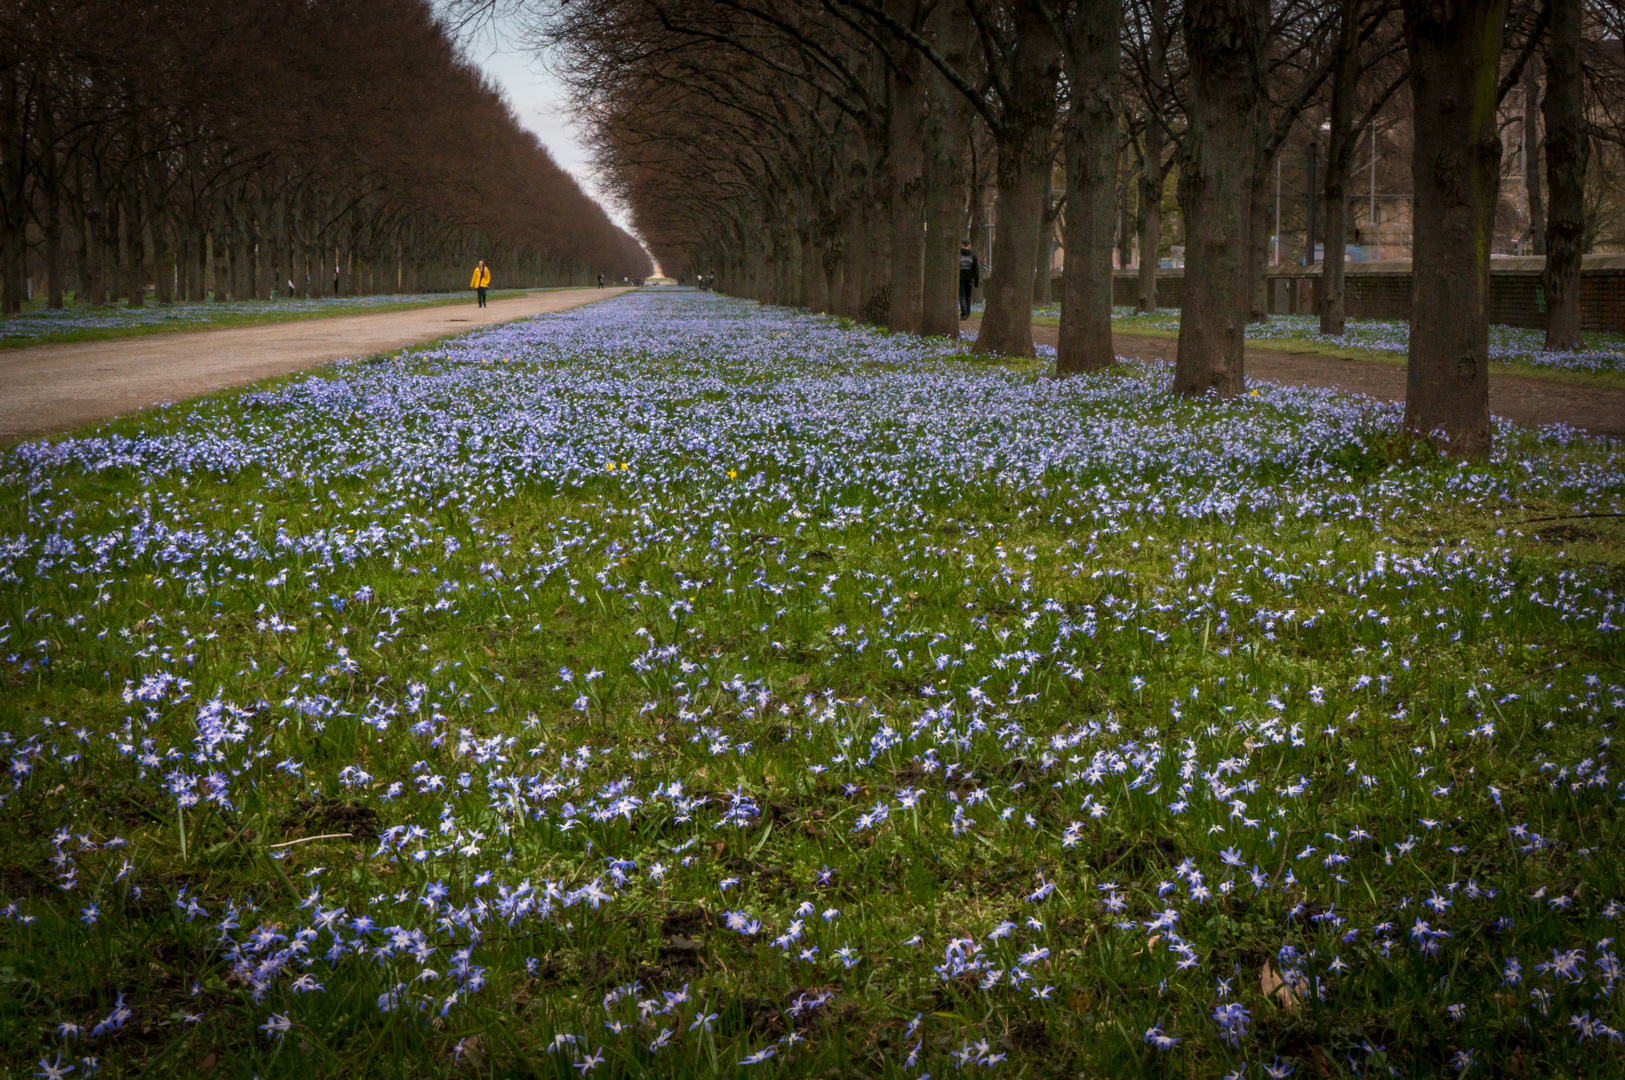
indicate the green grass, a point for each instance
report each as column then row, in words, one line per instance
column 37, row 326
column 800, row 569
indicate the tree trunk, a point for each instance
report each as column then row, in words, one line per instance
column 112, row 262
column 51, row 182
column 1150, row 225
column 185, row 262
column 1007, row 321
column 96, row 241
column 14, row 173
column 814, row 283
column 162, row 252
column 1568, row 150
column 1339, row 152
column 1090, row 139
column 1259, row 200
column 264, row 255
column 198, row 284
column 854, row 256
column 81, row 247
column 221, row 263
column 158, row 215
column 907, row 159
column 1225, row 39
column 1153, row 172
column 944, row 199
column 1455, row 53
column 1125, row 235
column 947, row 129
column 1023, row 171
column 1531, row 158
column 135, row 247
column 874, row 295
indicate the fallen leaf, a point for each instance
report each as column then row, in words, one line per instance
column 1271, row 985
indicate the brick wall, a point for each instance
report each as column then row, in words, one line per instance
column 1382, row 290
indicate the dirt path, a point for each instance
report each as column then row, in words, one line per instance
column 47, row 388
column 1519, row 398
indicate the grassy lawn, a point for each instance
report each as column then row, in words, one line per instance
column 38, row 325
column 680, row 686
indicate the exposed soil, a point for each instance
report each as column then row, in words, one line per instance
column 59, row 387
column 1520, row 398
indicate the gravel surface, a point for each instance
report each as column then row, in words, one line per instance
column 50, row 388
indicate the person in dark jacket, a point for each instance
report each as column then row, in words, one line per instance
column 970, row 276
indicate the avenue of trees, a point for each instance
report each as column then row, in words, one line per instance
column 238, row 145
column 825, row 153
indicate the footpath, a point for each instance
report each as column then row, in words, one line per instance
column 1523, row 399
column 46, row 388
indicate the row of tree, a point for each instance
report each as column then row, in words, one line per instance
column 257, row 145
column 822, row 153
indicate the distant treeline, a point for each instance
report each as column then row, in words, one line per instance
column 238, row 145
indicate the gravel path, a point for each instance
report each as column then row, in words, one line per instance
column 48, row 388
column 1519, row 398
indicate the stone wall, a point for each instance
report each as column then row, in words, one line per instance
column 1382, row 290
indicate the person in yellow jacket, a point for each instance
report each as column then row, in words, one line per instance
column 482, row 280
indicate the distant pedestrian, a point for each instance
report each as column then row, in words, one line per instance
column 600, row 281
column 482, row 280
column 970, row 276
column 335, row 280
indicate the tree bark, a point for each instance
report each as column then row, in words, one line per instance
column 162, row 252
column 51, row 182
column 96, row 240
column 1568, row 151
column 1007, row 321
column 1090, row 140
column 1455, row 53
column 1125, row 235
column 197, row 285
column 112, row 264
column 1023, row 171
column 1260, row 197
column 947, row 129
column 1153, row 171
column 1339, row 151
column 221, row 264
column 1152, row 176
column 1531, row 158
column 135, row 247
column 1225, row 39
column 1043, row 267
column 14, row 172
column 906, row 154
column 81, row 240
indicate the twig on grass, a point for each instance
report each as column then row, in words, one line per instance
column 308, row 839
column 1567, row 517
